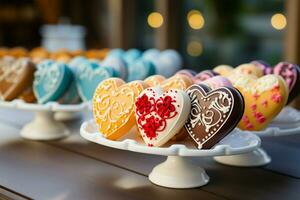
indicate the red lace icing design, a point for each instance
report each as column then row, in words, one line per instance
column 152, row 114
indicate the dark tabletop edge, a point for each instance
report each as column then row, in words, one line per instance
column 6, row 193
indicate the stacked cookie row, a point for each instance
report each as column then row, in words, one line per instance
column 74, row 81
column 204, row 107
column 63, row 55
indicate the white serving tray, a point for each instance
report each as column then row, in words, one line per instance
column 177, row 171
column 44, row 126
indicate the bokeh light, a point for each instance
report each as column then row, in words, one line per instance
column 278, row 21
column 195, row 19
column 155, row 20
column 194, row 48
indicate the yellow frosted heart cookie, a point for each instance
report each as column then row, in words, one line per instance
column 154, row 80
column 113, row 106
column 264, row 99
column 178, row 81
column 223, row 70
column 248, row 69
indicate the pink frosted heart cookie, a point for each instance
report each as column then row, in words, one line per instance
column 204, row 75
column 216, row 82
column 160, row 115
column 291, row 74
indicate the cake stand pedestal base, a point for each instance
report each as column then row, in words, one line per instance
column 178, row 172
column 44, row 127
column 255, row 158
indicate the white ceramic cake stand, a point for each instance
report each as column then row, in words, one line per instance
column 44, row 126
column 286, row 123
column 177, row 171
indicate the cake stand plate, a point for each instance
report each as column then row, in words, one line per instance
column 286, row 123
column 44, row 126
column 177, row 171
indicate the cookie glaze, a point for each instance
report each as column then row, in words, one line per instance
column 117, row 64
column 204, row 75
column 264, row 66
column 160, row 115
column 131, row 55
column 113, row 106
column 51, row 81
column 140, row 69
column 168, row 63
column 291, row 74
column 188, row 72
column 264, row 99
column 216, row 82
column 223, row 70
column 15, row 77
column 214, row 114
column 89, row 75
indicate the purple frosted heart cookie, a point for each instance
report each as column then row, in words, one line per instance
column 216, row 82
column 206, row 74
column 291, row 74
column 188, row 72
column 264, row 66
column 214, row 114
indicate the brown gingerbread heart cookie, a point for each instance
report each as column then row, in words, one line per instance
column 15, row 78
column 214, row 114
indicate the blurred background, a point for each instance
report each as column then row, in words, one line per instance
column 205, row 32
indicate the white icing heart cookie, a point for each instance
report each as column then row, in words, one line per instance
column 160, row 115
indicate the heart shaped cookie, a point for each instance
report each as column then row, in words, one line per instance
column 160, row 115
column 113, row 106
column 88, row 75
column 154, row 80
column 264, row 66
column 51, row 80
column 264, row 99
column 216, row 82
column 214, row 114
column 15, row 78
column 140, row 69
column 188, row 72
column 178, row 81
column 291, row 74
column 204, row 75
column 223, row 70
column 248, row 69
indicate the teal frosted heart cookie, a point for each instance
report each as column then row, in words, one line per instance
column 89, row 75
column 51, row 79
column 140, row 69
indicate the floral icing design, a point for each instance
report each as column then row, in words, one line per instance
column 154, row 113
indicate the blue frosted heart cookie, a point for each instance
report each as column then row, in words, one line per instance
column 132, row 55
column 140, row 69
column 51, row 79
column 89, row 75
column 117, row 64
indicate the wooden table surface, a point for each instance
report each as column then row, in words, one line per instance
column 73, row 168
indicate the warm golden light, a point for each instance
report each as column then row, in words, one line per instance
column 278, row 21
column 155, row 20
column 194, row 48
column 195, row 19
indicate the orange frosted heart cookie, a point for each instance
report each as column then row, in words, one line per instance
column 264, row 99
column 154, row 80
column 113, row 106
column 178, row 81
